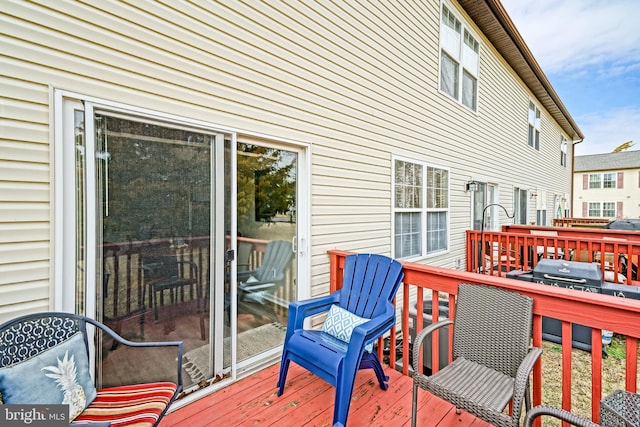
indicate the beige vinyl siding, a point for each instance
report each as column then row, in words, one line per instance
column 357, row 81
column 24, row 210
column 24, row 196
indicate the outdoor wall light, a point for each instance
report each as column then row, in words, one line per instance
column 472, row 186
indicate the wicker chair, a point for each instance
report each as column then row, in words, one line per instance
column 492, row 357
column 561, row 414
column 45, row 360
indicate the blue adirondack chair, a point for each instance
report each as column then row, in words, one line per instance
column 370, row 283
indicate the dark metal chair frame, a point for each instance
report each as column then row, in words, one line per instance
column 42, row 331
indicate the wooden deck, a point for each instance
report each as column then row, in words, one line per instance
column 308, row 401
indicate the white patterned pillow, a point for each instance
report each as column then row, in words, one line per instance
column 340, row 324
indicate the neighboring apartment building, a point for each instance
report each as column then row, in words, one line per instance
column 382, row 127
column 607, row 185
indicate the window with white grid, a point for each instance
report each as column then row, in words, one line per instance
column 459, row 60
column 594, row 209
column 534, row 126
column 420, row 209
column 563, row 151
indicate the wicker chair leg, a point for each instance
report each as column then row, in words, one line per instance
column 414, row 405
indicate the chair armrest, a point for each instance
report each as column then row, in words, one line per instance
column 244, row 275
column 556, row 413
column 151, row 268
column 372, row 329
column 256, row 286
column 191, row 263
column 417, row 344
column 300, row 310
column 123, row 341
column 522, row 379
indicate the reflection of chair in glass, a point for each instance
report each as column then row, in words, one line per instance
column 359, row 314
column 256, row 287
column 122, row 297
column 244, row 253
column 492, row 358
column 165, row 273
column 45, row 360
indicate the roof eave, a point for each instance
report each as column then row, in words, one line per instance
column 493, row 20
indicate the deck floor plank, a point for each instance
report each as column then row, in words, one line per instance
column 308, row 401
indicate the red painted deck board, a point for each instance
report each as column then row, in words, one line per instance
column 308, row 401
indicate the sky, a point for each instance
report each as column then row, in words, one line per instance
column 590, row 52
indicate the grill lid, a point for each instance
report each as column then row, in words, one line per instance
column 558, row 270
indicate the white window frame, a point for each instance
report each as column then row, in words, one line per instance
column 599, row 181
column 598, row 209
column 459, row 48
column 520, row 205
column 595, row 181
column 595, row 208
column 605, row 209
column 610, row 178
column 563, row 151
column 541, row 206
column 423, row 210
column 535, row 125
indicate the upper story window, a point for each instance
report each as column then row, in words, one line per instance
column 609, row 180
column 534, row 126
column 421, row 209
column 459, row 60
column 604, row 180
column 563, row 151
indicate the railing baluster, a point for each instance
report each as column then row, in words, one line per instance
column 632, row 364
column 596, row 372
column 566, row 365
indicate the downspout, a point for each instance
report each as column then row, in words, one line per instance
column 573, row 160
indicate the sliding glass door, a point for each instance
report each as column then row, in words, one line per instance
column 267, row 239
column 151, row 216
column 171, row 230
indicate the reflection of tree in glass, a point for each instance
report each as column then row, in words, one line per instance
column 157, row 181
column 266, row 185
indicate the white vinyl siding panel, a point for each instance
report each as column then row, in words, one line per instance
column 358, row 82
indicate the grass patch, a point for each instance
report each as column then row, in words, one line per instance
column 613, row 376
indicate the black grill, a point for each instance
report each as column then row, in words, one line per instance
column 582, row 276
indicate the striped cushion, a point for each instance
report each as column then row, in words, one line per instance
column 133, row 405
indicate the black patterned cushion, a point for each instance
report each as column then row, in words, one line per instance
column 45, row 361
